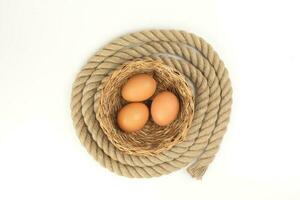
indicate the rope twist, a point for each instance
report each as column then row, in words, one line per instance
column 195, row 59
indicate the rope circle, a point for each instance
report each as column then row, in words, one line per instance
column 191, row 56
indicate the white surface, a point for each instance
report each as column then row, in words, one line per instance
column 43, row 45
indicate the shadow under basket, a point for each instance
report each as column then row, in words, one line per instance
column 152, row 139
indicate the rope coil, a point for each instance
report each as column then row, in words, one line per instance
column 191, row 56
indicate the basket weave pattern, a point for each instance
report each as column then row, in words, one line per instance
column 152, row 139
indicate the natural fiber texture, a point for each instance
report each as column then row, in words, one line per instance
column 192, row 57
column 152, row 139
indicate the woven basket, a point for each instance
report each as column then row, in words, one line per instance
column 152, row 139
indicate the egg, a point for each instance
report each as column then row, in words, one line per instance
column 138, row 88
column 133, row 117
column 164, row 108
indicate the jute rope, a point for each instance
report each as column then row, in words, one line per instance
column 190, row 55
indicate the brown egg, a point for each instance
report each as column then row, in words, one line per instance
column 139, row 88
column 133, row 117
column 164, row 108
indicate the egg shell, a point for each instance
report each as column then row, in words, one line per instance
column 164, row 108
column 133, row 117
column 139, row 88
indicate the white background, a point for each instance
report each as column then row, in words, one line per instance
column 43, row 44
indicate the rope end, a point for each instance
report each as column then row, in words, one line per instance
column 197, row 170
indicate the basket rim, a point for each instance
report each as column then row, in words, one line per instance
column 111, row 132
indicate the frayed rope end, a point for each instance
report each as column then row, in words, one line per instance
column 196, row 170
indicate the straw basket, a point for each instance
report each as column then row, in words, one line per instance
column 152, row 139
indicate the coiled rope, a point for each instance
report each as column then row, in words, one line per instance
column 194, row 58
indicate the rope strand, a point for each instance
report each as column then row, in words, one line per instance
column 195, row 59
